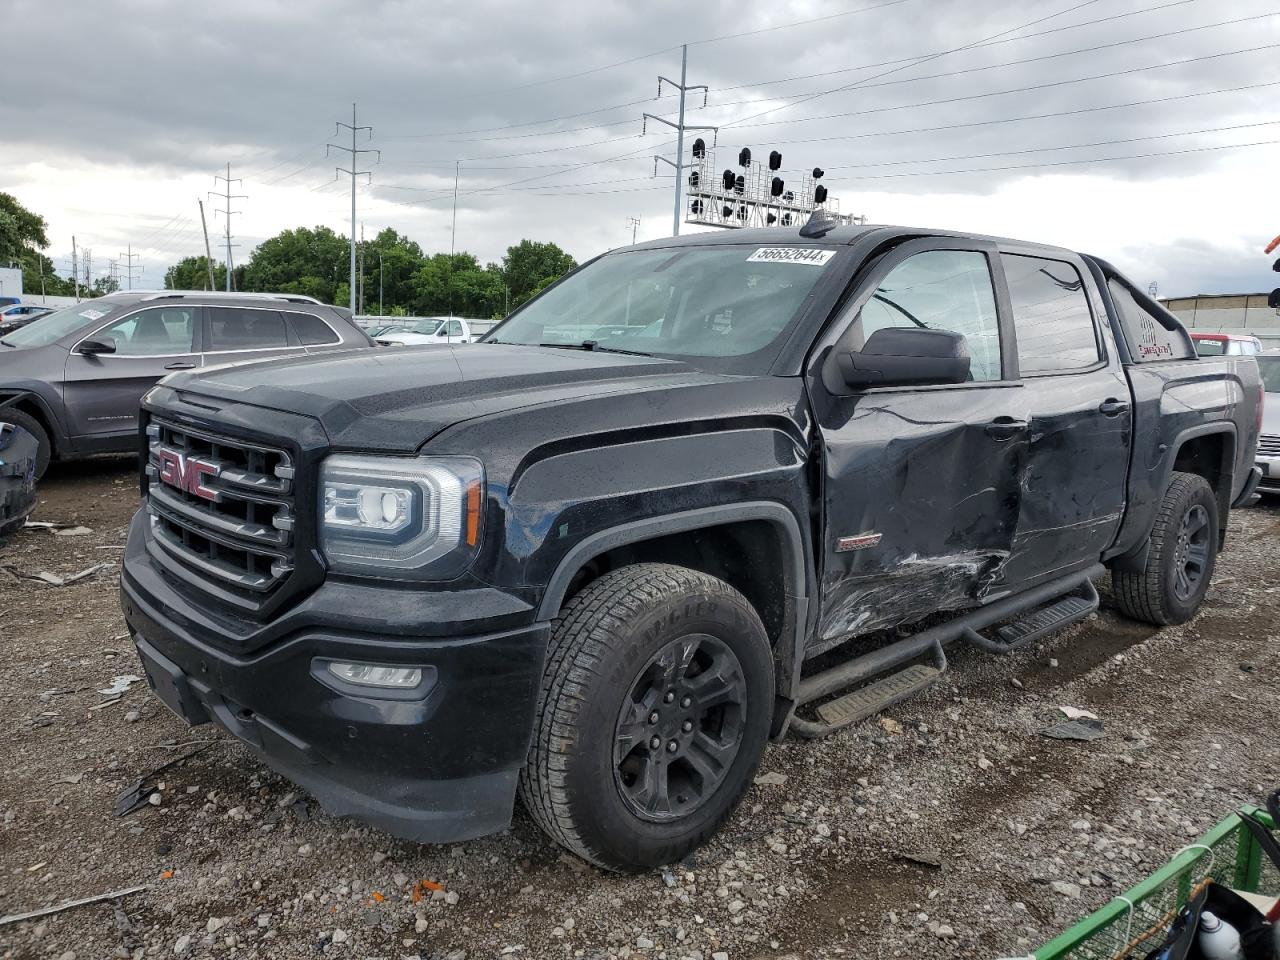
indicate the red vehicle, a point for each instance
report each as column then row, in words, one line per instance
column 1225, row 344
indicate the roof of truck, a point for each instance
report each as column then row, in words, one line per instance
column 842, row 235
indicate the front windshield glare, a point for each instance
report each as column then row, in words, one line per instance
column 713, row 301
column 54, row 326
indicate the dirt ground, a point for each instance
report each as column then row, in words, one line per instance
column 957, row 830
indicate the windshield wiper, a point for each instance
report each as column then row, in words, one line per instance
column 8, row 344
column 594, row 345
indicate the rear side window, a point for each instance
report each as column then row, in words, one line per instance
column 1051, row 315
column 237, row 328
column 941, row 290
column 1148, row 339
column 311, row 330
column 1211, row 348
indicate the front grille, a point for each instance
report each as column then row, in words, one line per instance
column 1269, row 445
column 222, row 512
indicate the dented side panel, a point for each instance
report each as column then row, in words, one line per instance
column 919, row 469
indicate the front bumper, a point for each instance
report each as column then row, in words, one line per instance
column 437, row 765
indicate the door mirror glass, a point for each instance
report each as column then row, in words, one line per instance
column 92, row 348
column 905, row 356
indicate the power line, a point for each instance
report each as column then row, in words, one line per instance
column 355, row 156
column 1000, row 93
column 927, row 59
column 228, row 196
column 1067, row 163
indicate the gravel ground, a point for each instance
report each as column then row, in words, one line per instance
column 947, row 828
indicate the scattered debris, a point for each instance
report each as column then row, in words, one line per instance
column 931, row 860
column 890, row 725
column 72, row 531
column 70, row 904
column 1082, row 729
column 139, row 795
column 771, row 779
column 54, row 580
column 120, row 685
column 1075, row 713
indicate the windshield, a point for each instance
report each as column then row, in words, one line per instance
column 729, row 305
column 1210, row 348
column 44, row 330
column 1269, row 367
column 427, row 328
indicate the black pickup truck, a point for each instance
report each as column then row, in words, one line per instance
column 595, row 559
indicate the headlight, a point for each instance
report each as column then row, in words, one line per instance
column 400, row 517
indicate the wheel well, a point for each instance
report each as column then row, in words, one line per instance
column 33, row 409
column 1211, row 456
column 748, row 555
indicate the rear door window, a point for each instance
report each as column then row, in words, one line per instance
column 312, row 331
column 240, row 328
column 1148, row 338
column 1051, row 315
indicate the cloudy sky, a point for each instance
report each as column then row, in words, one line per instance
column 1147, row 131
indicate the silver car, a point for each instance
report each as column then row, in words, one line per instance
column 1269, row 440
column 74, row 377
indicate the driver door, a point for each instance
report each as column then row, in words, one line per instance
column 920, row 483
column 102, row 391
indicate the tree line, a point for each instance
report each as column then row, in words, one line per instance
column 394, row 275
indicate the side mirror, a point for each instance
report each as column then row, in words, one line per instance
column 904, row 356
column 94, row 347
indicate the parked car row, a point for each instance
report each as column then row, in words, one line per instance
column 17, row 315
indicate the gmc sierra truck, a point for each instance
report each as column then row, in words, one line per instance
column 593, row 559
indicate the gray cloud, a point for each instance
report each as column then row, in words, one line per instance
column 162, row 90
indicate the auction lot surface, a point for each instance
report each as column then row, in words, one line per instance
column 952, row 828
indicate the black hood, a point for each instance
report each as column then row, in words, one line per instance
column 398, row 398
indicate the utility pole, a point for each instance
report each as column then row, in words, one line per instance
column 362, row 268
column 453, row 232
column 635, row 222
column 86, row 262
column 75, row 273
column 380, row 313
column 228, row 196
column 128, row 258
column 684, row 87
column 208, row 254
column 353, row 172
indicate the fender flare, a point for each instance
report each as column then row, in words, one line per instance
column 57, row 435
column 784, row 522
column 1135, row 559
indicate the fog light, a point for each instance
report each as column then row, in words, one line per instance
column 368, row 675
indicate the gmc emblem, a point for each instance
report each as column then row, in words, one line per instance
column 187, row 473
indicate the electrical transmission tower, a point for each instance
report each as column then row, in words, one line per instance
column 684, row 87
column 227, row 196
column 86, row 264
column 126, row 265
column 353, row 172
column 634, row 223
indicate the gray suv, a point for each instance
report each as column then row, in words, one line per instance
column 74, row 378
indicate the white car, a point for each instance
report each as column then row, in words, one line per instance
column 437, row 330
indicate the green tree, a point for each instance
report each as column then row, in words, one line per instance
column 22, row 232
column 529, row 266
column 393, row 259
column 310, row 261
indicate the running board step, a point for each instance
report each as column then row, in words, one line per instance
column 877, row 696
column 1038, row 623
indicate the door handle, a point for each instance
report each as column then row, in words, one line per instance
column 180, row 365
column 1111, row 407
column 1004, row 428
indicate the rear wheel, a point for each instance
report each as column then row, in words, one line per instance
column 653, row 713
column 29, row 423
column 1184, row 548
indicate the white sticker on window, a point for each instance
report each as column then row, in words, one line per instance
column 93, row 314
column 805, row 255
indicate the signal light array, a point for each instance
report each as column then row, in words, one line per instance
column 753, row 194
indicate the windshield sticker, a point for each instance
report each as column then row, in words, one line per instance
column 805, row 255
column 93, row 314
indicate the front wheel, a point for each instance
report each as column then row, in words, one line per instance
column 653, row 713
column 1184, row 548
